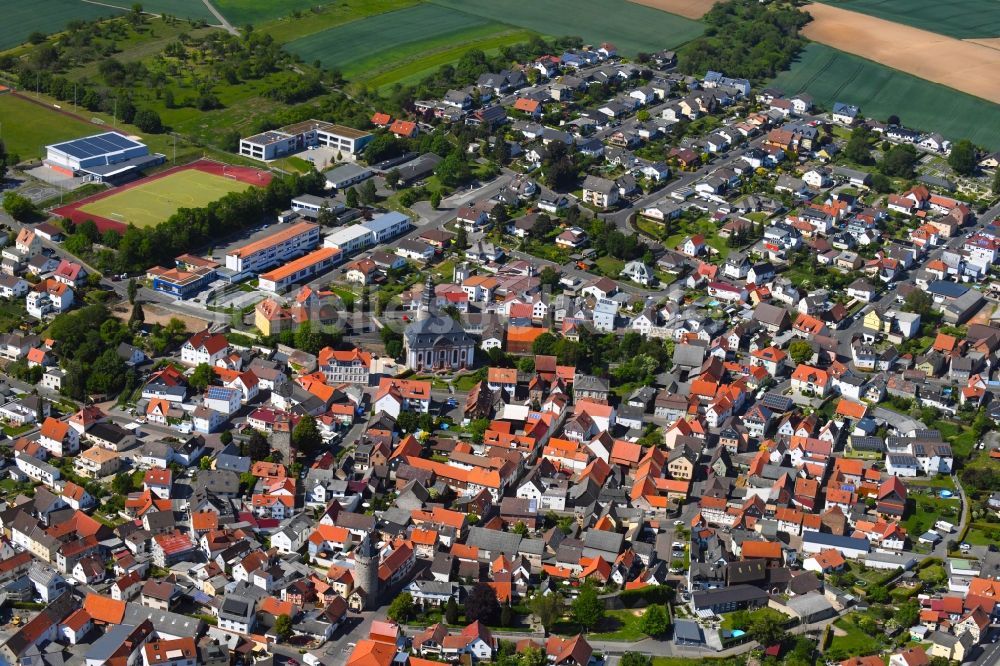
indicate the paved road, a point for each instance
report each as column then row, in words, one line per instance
column 223, row 23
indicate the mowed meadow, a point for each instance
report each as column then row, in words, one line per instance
column 832, row 76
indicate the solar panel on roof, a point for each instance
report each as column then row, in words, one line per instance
column 220, row 393
column 99, row 144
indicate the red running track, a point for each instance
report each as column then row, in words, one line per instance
column 72, row 211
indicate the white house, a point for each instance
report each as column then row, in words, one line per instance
column 204, row 347
column 901, row 464
column 638, row 272
column 223, row 399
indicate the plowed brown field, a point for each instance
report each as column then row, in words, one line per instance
column 963, row 65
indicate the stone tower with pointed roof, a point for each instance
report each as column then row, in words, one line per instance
column 426, row 300
column 366, row 571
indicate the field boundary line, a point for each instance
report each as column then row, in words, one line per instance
column 961, row 65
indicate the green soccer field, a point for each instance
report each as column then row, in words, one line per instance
column 148, row 204
column 832, row 76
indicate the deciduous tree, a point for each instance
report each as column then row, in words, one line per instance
column 401, row 608
column 654, row 621
column 548, row 608
column 482, row 604
column 305, row 436
column 962, row 158
column 588, row 609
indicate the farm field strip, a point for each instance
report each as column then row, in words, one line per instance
column 425, row 62
column 692, row 9
column 831, row 76
column 254, row 12
column 359, row 46
column 975, row 18
column 964, row 66
column 20, row 19
column 186, row 9
column 289, row 28
column 631, row 27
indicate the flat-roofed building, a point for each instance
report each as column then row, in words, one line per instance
column 350, row 239
column 99, row 157
column 300, row 269
column 280, row 246
column 388, row 226
column 295, row 138
column 309, row 205
column 346, row 175
column 180, row 282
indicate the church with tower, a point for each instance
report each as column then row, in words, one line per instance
column 436, row 342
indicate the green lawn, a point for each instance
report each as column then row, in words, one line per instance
column 445, row 270
column 609, row 266
column 620, row 625
column 12, row 313
column 927, row 510
column 346, row 294
column 855, row 642
column 465, row 383
column 683, row 228
column 20, row 19
column 832, row 76
column 150, row 203
column 983, row 534
column 14, row 431
column 29, row 127
column 631, row 27
column 964, row 20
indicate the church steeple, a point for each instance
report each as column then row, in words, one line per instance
column 427, row 298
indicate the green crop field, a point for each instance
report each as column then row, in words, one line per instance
column 418, row 65
column 631, row 27
column 374, row 42
column 148, row 204
column 28, row 127
column 187, row 9
column 255, row 12
column 832, row 76
column 975, row 18
column 288, row 28
column 20, row 19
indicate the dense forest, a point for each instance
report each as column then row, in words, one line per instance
column 745, row 39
